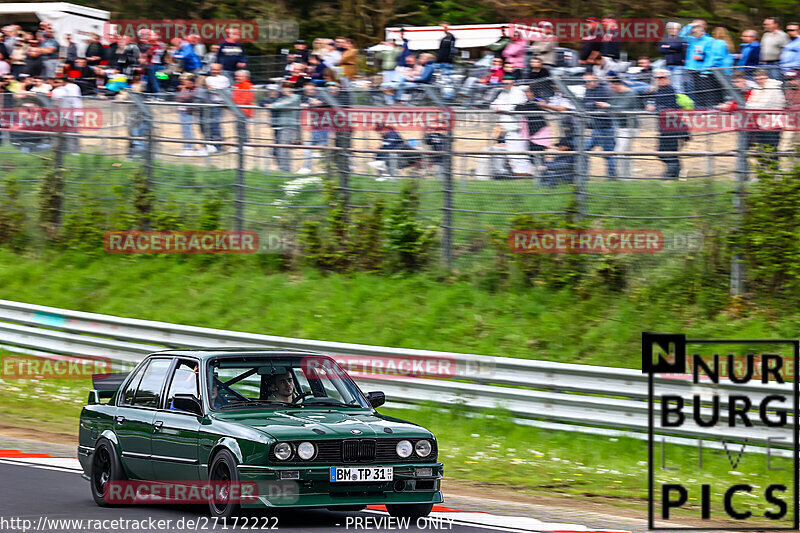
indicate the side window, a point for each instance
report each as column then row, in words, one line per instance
column 184, row 381
column 149, row 392
column 133, row 384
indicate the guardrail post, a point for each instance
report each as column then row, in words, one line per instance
column 737, row 281
column 241, row 136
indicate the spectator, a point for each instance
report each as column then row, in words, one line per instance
column 332, row 56
column 544, row 47
column 85, row 77
column 623, row 101
column 34, row 65
column 499, row 45
column 94, row 51
column 243, row 95
column 386, row 57
column 319, row 137
column 446, row 54
column 610, row 46
column 273, row 95
column 184, row 53
column 404, row 79
column 749, row 51
column 49, row 52
column 539, row 76
column 515, row 52
column 301, row 51
column 721, row 49
column 790, row 140
column 767, row 94
column 388, row 164
column 67, row 95
column 790, row 55
column 198, row 45
column 125, row 56
column 673, row 48
column 560, row 169
column 591, row 42
column 698, row 55
column 596, row 101
column 349, row 62
column 72, row 50
column 187, row 94
column 151, row 60
column 506, row 101
column 664, row 99
column 534, row 125
column 772, row 42
column 231, row 54
column 286, row 119
column 217, row 81
column 210, row 58
column 405, row 49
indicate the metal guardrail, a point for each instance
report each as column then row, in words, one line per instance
column 574, row 397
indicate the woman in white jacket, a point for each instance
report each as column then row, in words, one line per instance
column 767, row 95
column 506, row 101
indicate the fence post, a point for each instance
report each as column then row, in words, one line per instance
column 241, row 138
column 737, row 281
column 148, row 133
column 58, row 165
column 580, row 131
column 341, row 157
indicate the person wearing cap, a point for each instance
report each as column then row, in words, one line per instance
column 664, row 99
column 545, row 43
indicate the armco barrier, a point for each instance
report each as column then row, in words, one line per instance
column 576, row 397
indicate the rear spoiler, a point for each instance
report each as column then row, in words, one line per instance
column 105, row 385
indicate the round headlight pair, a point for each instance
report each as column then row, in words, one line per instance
column 305, row 451
column 422, row 447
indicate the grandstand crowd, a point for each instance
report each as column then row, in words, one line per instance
column 514, row 74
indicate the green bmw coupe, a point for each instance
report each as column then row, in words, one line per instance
column 293, row 424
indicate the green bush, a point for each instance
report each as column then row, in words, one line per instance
column 12, row 215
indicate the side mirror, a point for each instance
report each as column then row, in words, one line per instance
column 189, row 403
column 376, row 399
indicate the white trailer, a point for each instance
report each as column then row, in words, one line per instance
column 79, row 21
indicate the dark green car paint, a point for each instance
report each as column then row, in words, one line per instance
column 164, row 444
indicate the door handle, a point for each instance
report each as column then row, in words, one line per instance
column 120, row 420
column 158, row 425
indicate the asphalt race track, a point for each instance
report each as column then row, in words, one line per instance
column 40, row 492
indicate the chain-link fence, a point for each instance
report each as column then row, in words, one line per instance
column 548, row 152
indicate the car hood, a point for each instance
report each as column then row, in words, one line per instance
column 292, row 424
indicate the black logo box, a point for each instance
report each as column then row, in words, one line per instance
column 676, row 343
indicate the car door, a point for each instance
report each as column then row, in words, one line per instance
column 133, row 423
column 175, row 433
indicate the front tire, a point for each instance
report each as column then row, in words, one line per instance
column 106, row 468
column 413, row 510
column 222, row 470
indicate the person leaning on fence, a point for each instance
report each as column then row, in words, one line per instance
column 767, row 95
column 623, row 103
column 215, row 83
column 596, row 101
column 664, row 100
column 243, row 94
column 286, row 121
column 506, row 101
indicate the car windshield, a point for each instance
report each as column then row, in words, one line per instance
column 247, row 382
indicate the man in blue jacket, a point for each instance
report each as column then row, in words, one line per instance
column 790, row 55
column 184, row 52
column 750, row 51
column 231, row 54
column 698, row 57
column 673, row 48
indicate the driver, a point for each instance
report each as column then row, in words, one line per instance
column 282, row 388
column 217, row 399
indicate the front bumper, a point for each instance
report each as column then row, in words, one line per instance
column 311, row 486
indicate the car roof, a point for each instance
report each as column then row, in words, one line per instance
column 208, row 353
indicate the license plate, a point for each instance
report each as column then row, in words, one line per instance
column 372, row 473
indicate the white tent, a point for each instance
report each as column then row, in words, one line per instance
column 428, row 37
column 66, row 18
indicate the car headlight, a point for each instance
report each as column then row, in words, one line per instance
column 423, row 448
column 404, row 449
column 305, row 450
column 283, row 451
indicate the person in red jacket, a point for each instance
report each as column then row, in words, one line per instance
column 243, row 95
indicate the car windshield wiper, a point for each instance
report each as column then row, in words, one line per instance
column 259, row 402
